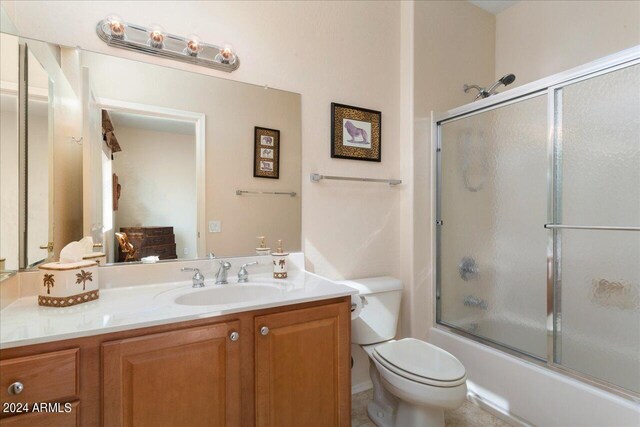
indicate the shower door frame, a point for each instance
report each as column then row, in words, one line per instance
column 551, row 87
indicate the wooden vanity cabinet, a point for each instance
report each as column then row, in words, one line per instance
column 168, row 378
column 300, row 371
column 296, row 372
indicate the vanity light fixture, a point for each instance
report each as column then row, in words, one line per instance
column 156, row 36
column 116, row 26
column 226, row 55
column 155, row 41
column 193, row 45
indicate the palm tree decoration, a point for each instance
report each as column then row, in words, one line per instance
column 82, row 277
column 48, row 281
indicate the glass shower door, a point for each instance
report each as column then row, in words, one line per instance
column 597, row 277
column 492, row 207
column 566, row 157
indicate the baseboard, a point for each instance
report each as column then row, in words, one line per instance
column 497, row 412
column 363, row 386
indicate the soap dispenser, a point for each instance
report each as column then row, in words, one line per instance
column 280, row 262
column 263, row 249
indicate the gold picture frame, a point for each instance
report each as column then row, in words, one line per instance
column 266, row 153
column 356, row 133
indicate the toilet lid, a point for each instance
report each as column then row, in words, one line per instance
column 421, row 359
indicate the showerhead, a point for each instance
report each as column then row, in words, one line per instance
column 507, row 79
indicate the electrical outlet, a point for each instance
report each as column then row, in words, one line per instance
column 215, row 226
column 186, row 251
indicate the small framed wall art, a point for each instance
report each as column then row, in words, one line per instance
column 266, row 155
column 356, row 133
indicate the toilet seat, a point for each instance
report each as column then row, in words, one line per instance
column 421, row 362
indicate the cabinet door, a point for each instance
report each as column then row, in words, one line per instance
column 185, row 377
column 303, row 367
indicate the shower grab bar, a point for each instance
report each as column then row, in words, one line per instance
column 591, row 227
column 316, row 177
column 276, row 193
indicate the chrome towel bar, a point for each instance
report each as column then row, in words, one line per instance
column 276, row 193
column 316, row 177
column 591, row 227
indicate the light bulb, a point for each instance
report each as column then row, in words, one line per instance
column 116, row 26
column 193, row 45
column 226, row 55
column 156, row 36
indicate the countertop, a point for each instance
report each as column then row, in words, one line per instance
column 24, row 322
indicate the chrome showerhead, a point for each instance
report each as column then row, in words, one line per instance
column 505, row 80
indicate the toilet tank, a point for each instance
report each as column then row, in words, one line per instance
column 378, row 318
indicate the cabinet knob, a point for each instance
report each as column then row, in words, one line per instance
column 16, row 388
column 264, row 330
column 234, row 336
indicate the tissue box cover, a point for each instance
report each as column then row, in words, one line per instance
column 66, row 284
column 98, row 257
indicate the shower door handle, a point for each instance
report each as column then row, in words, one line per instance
column 590, row 227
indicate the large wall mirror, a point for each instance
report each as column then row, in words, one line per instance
column 147, row 160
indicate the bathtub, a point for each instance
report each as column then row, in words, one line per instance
column 525, row 393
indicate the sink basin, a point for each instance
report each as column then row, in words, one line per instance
column 229, row 294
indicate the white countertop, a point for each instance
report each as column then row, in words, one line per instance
column 24, row 322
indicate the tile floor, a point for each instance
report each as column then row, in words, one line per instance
column 468, row 415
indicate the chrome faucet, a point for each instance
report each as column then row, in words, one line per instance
column 243, row 275
column 198, row 278
column 221, row 276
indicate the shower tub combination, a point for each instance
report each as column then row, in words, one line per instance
column 537, row 256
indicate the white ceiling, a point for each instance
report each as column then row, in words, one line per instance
column 494, row 6
column 158, row 124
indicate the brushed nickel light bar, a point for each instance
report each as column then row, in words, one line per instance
column 155, row 41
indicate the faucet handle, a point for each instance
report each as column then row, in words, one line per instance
column 198, row 277
column 243, row 275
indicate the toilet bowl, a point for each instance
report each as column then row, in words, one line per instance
column 413, row 381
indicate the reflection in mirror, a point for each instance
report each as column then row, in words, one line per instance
column 39, row 151
column 145, row 194
column 175, row 147
column 8, row 154
column 163, row 156
column 50, row 166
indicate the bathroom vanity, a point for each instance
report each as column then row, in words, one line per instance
column 265, row 353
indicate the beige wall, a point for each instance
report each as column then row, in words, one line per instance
column 150, row 196
column 535, row 39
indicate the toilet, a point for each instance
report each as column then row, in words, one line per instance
column 413, row 381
